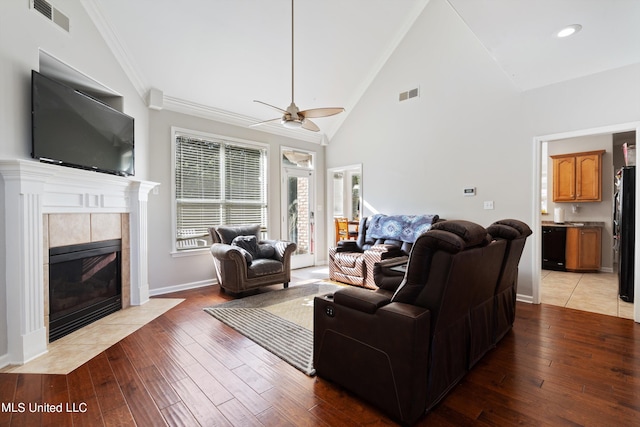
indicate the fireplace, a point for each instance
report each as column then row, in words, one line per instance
column 34, row 198
column 85, row 284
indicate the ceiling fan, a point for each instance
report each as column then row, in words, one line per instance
column 292, row 117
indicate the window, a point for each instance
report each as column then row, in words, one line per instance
column 217, row 181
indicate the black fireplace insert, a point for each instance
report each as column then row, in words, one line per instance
column 85, row 284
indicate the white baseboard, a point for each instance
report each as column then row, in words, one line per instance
column 524, row 298
column 183, row 287
column 4, row 361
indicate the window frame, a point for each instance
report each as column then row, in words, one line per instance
column 178, row 131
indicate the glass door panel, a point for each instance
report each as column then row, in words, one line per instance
column 299, row 216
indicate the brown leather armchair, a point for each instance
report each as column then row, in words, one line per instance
column 404, row 349
column 243, row 261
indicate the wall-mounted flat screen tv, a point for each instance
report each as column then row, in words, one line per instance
column 74, row 129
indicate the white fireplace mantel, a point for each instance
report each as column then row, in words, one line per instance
column 32, row 189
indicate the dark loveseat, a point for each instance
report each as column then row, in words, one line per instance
column 404, row 348
column 243, row 261
column 380, row 237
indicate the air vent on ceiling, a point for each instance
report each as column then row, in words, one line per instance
column 51, row 13
column 409, row 94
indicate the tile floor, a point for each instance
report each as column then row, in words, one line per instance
column 69, row 352
column 593, row 292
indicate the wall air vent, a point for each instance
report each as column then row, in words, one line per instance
column 413, row 93
column 51, row 13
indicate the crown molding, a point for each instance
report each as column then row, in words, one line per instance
column 211, row 113
column 139, row 83
column 116, row 46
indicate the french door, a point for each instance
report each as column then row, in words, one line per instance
column 298, row 215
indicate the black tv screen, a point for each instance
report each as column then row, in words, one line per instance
column 73, row 129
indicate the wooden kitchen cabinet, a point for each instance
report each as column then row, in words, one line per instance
column 577, row 177
column 583, row 250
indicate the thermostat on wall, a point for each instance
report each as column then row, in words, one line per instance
column 469, row 191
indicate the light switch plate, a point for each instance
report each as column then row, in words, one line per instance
column 488, row 204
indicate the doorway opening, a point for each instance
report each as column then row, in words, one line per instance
column 580, row 212
column 344, row 197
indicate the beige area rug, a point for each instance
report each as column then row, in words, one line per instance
column 77, row 348
column 280, row 321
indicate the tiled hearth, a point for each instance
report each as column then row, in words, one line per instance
column 41, row 202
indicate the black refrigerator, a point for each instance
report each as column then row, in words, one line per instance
column 625, row 229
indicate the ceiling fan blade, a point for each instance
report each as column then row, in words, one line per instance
column 309, row 125
column 266, row 121
column 321, row 112
column 269, row 105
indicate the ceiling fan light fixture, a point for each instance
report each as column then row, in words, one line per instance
column 291, row 124
column 569, row 30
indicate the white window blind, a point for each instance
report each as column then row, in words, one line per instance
column 217, row 182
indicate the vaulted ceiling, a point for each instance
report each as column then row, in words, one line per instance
column 220, row 55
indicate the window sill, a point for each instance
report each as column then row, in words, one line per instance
column 190, row 252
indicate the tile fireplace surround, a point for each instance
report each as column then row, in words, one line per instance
column 34, row 193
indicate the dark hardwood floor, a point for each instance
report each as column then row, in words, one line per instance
column 556, row 367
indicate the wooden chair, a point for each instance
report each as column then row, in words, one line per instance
column 354, row 227
column 342, row 229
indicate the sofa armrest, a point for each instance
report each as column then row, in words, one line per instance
column 384, row 274
column 374, row 255
column 360, row 299
column 393, row 262
column 224, row 252
column 230, row 264
column 348, row 246
column 284, row 249
column 381, row 356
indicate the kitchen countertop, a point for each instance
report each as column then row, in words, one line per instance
column 574, row 224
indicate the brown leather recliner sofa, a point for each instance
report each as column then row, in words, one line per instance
column 380, row 237
column 515, row 233
column 493, row 311
column 404, row 347
column 244, row 262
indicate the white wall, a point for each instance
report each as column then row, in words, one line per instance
column 469, row 127
column 465, row 130
column 169, row 272
column 22, row 33
column 419, row 154
column 592, row 211
column 599, row 100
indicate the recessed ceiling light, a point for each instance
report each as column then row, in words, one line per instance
column 569, row 30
